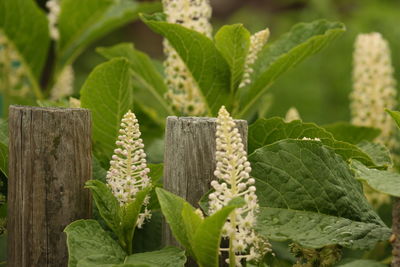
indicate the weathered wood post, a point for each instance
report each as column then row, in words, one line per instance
column 396, row 232
column 49, row 162
column 189, row 159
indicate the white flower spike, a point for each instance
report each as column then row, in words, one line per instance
column 374, row 88
column 128, row 173
column 257, row 42
column 183, row 91
column 65, row 84
column 54, row 13
column 292, row 114
column 233, row 180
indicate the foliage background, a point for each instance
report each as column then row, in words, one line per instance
column 319, row 87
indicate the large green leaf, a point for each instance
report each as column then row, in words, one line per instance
column 107, row 92
column 316, row 230
column 299, row 181
column 82, row 22
column 99, row 260
column 166, row 257
column 268, row 131
column 206, row 64
column 106, row 203
column 377, row 152
column 207, row 239
column 233, row 41
column 200, row 237
column 344, row 131
column 395, row 115
column 86, row 238
column 304, row 40
column 172, row 207
column 24, row 30
column 149, row 84
column 25, row 25
column 387, row 182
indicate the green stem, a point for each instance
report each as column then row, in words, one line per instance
column 232, row 255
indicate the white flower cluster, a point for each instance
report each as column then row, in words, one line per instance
column 183, row 91
column 13, row 74
column 257, row 42
column 292, row 114
column 65, row 84
column 54, row 13
column 374, row 88
column 128, row 173
column 233, row 180
column 311, row 139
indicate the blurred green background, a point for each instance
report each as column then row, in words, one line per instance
column 319, row 87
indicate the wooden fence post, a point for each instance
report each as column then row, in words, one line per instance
column 396, row 232
column 189, row 159
column 49, row 162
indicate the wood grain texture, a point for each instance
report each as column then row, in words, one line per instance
column 49, row 163
column 189, row 159
column 395, row 240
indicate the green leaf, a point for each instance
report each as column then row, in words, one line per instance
column 206, row 64
column 107, row 92
column 156, row 173
column 100, row 260
column 129, row 214
column 395, row 115
column 82, row 22
column 191, row 220
column 98, row 172
column 304, row 40
column 24, row 40
column 106, row 203
column 148, row 238
column 4, row 159
column 363, row 263
column 386, row 182
column 25, row 26
column 316, row 230
column 268, row 131
column 377, row 152
column 4, row 131
column 233, row 42
column 167, row 257
column 86, row 238
column 149, row 88
column 299, row 181
column 207, row 239
column 344, row 131
column 172, row 207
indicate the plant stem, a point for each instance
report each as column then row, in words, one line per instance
column 232, row 255
column 395, row 239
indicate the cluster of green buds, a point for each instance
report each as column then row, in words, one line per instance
column 128, row 173
column 309, row 257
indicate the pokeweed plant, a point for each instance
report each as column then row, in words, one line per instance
column 122, row 204
column 304, row 185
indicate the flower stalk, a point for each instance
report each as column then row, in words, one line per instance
column 128, row 173
column 233, row 180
